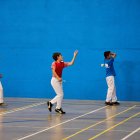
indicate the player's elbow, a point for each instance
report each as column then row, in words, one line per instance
column 70, row 63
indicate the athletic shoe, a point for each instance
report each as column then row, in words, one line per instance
column 3, row 104
column 49, row 106
column 108, row 103
column 60, row 111
column 116, row 103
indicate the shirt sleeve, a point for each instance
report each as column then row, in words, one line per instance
column 66, row 64
column 111, row 61
column 53, row 66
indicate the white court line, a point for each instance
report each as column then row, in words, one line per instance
column 21, row 108
column 131, row 134
column 28, row 136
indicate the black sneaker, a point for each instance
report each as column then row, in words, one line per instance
column 60, row 111
column 116, row 103
column 49, row 106
column 108, row 103
column 3, row 104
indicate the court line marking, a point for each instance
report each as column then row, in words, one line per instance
column 33, row 134
column 118, row 130
column 132, row 133
column 22, row 108
column 125, row 120
column 82, row 130
column 24, row 126
column 37, row 127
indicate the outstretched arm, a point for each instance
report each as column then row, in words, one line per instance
column 73, row 59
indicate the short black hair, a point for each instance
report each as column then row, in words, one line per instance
column 106, row 53
column 55, row 55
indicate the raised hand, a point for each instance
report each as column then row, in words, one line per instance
column 75, row 52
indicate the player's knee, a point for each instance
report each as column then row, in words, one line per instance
column 1, row 89
column 111, row 89
column 60, row 95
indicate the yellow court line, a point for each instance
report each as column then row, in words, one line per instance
column 82, row 130
column 114, row 126
column 22, row 108
column 54, row 126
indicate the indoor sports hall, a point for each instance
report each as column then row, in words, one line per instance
column 69, row 70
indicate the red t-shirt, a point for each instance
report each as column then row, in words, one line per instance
column 58, row 66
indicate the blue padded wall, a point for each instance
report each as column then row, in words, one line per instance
column 31, row 30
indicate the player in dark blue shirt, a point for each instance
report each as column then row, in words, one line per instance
column 111, row 98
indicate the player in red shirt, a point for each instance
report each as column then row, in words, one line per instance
column 56, row 81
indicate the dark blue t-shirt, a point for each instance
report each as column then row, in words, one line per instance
column 109, row 67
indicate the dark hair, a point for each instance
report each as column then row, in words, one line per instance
column 106, row 53
column 55, row 55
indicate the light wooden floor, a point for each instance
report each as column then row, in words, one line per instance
column 29, row 119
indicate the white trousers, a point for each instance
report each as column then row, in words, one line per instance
column 111, row 92
column 58, row 88
column 1, row 93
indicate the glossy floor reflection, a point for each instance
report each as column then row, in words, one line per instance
column 84, row 120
